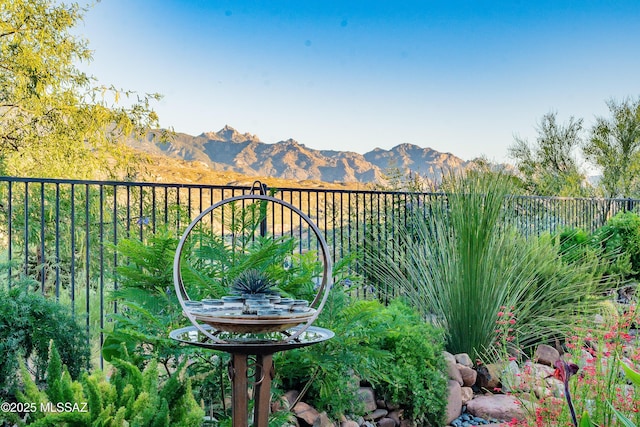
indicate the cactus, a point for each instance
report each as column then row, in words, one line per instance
column 252, row 281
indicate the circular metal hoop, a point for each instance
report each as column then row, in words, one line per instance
column 321, row 295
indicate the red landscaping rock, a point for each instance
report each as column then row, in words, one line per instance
column 367, row 396
column 386, row 422
column 546, row 355
column 468, row 375
column 498, row 406
column 306, row 413
column 454, row 402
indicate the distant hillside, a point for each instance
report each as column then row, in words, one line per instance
column 164, row 169
column 228, row 150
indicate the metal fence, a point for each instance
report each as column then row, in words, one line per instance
column 63, row 233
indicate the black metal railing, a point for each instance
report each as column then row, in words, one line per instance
column 63, row 233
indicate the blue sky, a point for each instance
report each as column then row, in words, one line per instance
column 458, row 76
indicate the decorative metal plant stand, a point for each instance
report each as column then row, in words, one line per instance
column 226, row 326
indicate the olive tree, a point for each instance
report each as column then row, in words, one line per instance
column 56, row 120
column 550, row 166
column 614, row 147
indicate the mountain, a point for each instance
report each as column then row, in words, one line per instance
column 426, row 162
column 244, row 153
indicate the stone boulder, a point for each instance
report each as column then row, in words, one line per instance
column 452, row 368
column 468, row 375
column 511, row 378
column 396, row 416
column 483, row 377
column 499, row 406
column 489, row 376
column 546, row 355
column 496, row 370
column 467, row 394
column 367, row 396
column 323, row 421
column 285, row 401
column 454, row 401
column 306, row 413
column 386, row 422
column 376, row 414
column 464, row 359
column 538, row 371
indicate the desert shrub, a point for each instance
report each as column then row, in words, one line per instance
column 555, row 294
column 460, row 251
column 389, row 347
column 28, row 322
column 576, row 245
column 620, row 241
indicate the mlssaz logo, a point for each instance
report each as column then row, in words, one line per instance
column 64, row 407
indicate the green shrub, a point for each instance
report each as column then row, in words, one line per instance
column 28, row 322
column 415, row 376
column 328, row 373
column 620, row 240
column 389, row 347
column 576, row 245
column 149, row 310
column 555, row 293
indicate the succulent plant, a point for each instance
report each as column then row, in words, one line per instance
column 252, row 281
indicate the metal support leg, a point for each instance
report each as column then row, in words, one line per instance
column 240, row 397
column 262, row 390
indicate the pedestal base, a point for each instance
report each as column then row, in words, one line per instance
column 238, row 373
column 241, row 352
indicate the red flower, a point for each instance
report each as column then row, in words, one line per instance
column 564, row 371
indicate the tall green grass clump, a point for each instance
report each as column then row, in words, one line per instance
column 460, row 262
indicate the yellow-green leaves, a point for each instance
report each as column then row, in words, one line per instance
column 54, row 121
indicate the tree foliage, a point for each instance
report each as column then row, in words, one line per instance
column 56, row 120
column 614, row 146
column 550, row 166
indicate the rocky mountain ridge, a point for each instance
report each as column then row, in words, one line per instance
column 245, row 153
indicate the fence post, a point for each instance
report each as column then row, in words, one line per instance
column 262, row 190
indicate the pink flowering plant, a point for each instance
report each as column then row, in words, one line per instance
column 506, row 338
column 599, row 379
